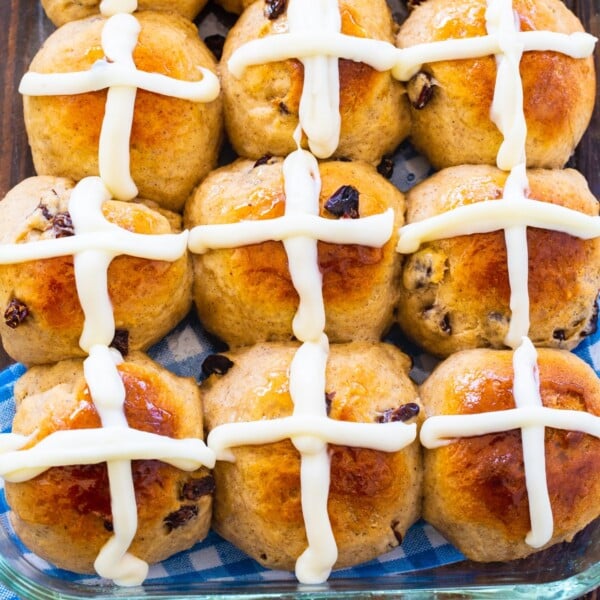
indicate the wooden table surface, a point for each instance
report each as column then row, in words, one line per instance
column 23, row 27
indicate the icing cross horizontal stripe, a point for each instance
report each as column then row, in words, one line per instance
column 442, row 430
column 386, row 437
column 374, row 231
column 403, row 62
column 104, row 74
column 494, row 215
column 93, row 446
column 167, row 246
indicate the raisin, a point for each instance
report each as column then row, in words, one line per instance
column 16, row 312
column 445, row 325
column 329, row 396
column 283, row 109
column 420, row 90
column 344, row 203
column 559, row 334
column 196, row 488
column 215, row 44
column 404, row 412
column 45, row 211
column 180, row 517
column 263, row 160
column 108, row 525
column 274, row 8
column 386, row 167
column 62, row 225
column 121, row 341
column 218, row 364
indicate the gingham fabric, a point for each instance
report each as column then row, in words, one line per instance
column 183, row 351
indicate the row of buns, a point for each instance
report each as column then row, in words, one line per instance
column 473, row 490
column 452, row 294
column 443, row 107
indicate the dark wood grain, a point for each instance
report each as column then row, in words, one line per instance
column 24, row 27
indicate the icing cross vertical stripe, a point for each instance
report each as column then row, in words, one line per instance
column 119, row 74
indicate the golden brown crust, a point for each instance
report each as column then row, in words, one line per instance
column 455, row 292
column 455, row 126
column 63, row 11
column 475, row 487
column 149, row 297
column 237, row 6
column 64, row 514
column 257, row 498
column 246, row 294
column 261, row 108
column 174, row 143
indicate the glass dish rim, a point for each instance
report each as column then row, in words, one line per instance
column 25, row 580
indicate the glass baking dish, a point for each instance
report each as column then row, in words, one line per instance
column 564, row 571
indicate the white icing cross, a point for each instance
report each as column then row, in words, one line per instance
column 314, row 38
column 118, row 73
column 320, row 100
column 114, row 443
column 299, row 228
column 309, row 428
column 494, row 215
column 531, row 417
column 96, row 243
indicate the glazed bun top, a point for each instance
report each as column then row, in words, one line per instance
column 174, row 142
column 63, row 11
column 484, row 476
column 262, row 105
column 148, row 297
column 455, row 127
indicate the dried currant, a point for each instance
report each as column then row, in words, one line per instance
column 445, row 325
column 386, row 167
column 217, row 364
column 274, row 8
column 196, row 488
column 344, row 203
column 180, row 517
column 263, row 160
column 420, row 90
column 404, row 412
column 121, row 341
column 16, row 312
column 283, row 108
column 62, row 225
column 45, row 211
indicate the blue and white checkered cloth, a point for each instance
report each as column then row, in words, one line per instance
column 214, row 559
